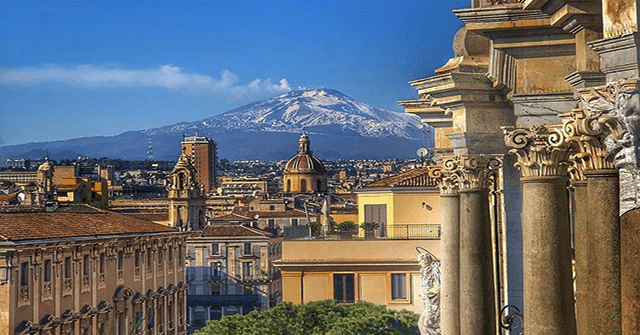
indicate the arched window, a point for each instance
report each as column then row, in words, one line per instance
column 319, row 185
column 288, row 185
column 303, row 185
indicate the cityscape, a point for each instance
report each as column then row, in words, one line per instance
column 497, row 193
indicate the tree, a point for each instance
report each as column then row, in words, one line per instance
column 317, row 318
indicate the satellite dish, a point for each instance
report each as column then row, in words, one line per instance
column 22, row 197
column 422, row 152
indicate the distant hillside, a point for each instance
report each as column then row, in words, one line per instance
column 338, row 126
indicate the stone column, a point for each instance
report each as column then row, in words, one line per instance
column 450, row 265
column 581, row 247
column 548, row 288
column 477, row 285
column 598, row 245
column 612, row 111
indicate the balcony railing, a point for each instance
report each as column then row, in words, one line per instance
column 414, row 231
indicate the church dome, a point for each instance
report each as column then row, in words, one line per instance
column 304, row 161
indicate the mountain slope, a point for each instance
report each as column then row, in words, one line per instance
column 338, row 126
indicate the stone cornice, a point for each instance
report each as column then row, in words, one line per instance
column 542, row 151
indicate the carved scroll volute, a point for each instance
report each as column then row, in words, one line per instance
column 585, row 136
column 478, row 171
column 541, row 150
column 469, row 172
column 450, row 177
column 446, row 184
column 614, row 111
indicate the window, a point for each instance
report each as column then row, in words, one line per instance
column 247, row 249
column 149, row 260
column 47, row 270
column 103, row 262
column 272, row 208
column 376, row 213
column 215, row 289
column 343, row 288
column 86, row 268
column 137, row 258
column 215, row 270
column 303, row 186
column 24, row 274
column 160, row 257
column 67, row 267
column 170, row 255
column 272, row 223
column 120, row 260
column 215, row 249
column 398, row 286
column 246, row 270
column 294, row 222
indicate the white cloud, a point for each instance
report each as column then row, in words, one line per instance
column 166, row 76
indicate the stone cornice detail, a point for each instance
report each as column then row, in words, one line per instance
column 542, row 151
column 614, row 112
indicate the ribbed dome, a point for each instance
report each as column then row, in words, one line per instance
column 304, row 161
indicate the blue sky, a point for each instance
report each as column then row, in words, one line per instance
column 82, row 68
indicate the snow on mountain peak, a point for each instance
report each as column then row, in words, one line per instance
column 321, row 110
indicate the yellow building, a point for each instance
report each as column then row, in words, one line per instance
column 380, row 271
column 304, row 172
column 404, row 204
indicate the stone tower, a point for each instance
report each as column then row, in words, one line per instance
column 304, row 172
column 186, row 197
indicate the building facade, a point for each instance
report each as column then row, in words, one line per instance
column 203, row 153
column 80, row 270
column 380, row 271
column 405, row 204
column 230, row 272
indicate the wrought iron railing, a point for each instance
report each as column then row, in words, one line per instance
column 413, row 231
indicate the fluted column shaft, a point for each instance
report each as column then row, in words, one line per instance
column 477, row 310
column 450, row 284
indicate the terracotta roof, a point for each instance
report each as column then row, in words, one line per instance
column 414, row 178
column 154, row 217
column 231, row 217
column 225, row 230
column 67, row 222
column 242, row 213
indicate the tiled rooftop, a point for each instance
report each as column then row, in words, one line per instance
column 414, row 178
column 225, row 230
column 72, row 221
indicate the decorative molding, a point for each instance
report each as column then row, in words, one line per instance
column 542, row 151
column 471, row 172
column 586, row 134
column 613, row 110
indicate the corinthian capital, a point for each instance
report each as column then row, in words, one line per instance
column 445, row 179
column 586, row 134
column 472, row 171
column 614, row 111
column 541, row 150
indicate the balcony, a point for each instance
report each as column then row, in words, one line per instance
column 222, row 300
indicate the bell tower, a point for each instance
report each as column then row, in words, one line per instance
column 186, row 197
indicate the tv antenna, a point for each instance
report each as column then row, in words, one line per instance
column 422, row 153
column 150, row 150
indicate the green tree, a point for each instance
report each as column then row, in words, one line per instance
column 317, row 318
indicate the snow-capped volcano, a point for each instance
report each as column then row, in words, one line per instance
column 338, row 126
column 322, row 109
